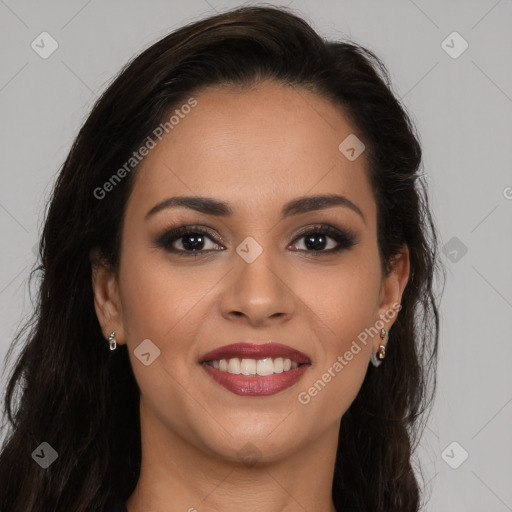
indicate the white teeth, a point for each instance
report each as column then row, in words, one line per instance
column 265, row 367
column 262, row 367
column 247, row 367
column 234, row 365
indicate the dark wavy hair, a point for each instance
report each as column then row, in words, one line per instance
column 75, row 394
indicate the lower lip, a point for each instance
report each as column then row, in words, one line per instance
column 257, row 385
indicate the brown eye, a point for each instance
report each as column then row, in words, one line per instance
column 193, row 240
column 317, row 238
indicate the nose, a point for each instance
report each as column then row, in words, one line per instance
column 259, row 293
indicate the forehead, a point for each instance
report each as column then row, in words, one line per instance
column 256, row 149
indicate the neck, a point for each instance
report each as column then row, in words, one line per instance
column 178, row 476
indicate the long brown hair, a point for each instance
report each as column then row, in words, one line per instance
column 83, row 400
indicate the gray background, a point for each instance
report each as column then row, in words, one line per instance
column 462, row 107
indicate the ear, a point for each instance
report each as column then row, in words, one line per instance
column 392, row 289
column 106, row 297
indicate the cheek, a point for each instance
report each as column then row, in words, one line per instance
column 335, row 378
column 341, row 315
column 145, row 298
column 167, row 305
column 155, row 294
column 343, row 300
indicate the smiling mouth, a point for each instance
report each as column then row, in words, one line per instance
column 254, row 367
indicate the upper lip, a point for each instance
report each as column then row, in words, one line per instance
column 253, row 351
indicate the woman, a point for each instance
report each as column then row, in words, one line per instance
column 236, row 306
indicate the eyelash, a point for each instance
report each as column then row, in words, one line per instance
column 344, row 239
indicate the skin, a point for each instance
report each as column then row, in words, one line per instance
column 255, row 149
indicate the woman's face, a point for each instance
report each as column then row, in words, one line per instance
column 254, row 277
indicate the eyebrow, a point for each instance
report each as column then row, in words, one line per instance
column 210, row 206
